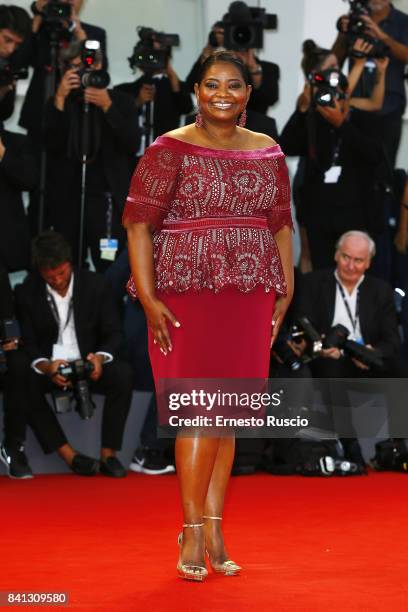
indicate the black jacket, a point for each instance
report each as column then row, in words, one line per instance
column 168, row 105
column 263, row 97
column 18, row 173
column 119, row 140
column 96, row 318
column 6, row 296
column 35, row 52
column 378, row 319
column 360, row 154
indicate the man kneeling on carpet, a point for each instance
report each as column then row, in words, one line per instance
column 349, row 304
column 72, row 334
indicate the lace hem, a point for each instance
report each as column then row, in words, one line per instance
column 215, row 259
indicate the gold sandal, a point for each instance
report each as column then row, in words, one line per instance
column 190, row 571
column 228, row 568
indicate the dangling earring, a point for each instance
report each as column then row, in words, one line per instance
column 199, row 119
column 243, row 118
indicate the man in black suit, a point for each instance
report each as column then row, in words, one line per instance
column 114, row 137
column 67, row 315
column 36, row 53
column 364, row 305
column 18, row 173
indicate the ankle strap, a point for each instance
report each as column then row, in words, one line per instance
column 215, row 518
column 193, row 524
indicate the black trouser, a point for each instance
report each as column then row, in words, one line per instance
column 345, row 368
column 16, row 399
column 390, row 134
column 115, row 383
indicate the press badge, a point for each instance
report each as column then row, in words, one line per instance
column 68, row 352
column 332, row 175
column 108, row 248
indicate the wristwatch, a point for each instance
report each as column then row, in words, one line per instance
column 258, row 70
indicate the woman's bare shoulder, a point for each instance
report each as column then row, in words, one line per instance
column 258, row 140
column 185, row 133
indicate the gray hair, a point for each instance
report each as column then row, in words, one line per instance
column 357, row 234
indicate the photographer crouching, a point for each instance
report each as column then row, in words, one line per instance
column 356, row 315
column 72, row 334
column 91, row 134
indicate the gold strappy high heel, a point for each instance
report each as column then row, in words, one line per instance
column 228, row 568
column 189, row 571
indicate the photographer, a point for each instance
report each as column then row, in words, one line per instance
column 36, row 52
column 389, row 28
column 14, row 28
column 113, row 138
column 341, row 155
column 319, row 61
column 161, row 88
column 18, row 173
column 264, row 75
column 69, row 315
column 361, row 303
column 14, row 374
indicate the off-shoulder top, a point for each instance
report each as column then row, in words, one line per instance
column 214, row 212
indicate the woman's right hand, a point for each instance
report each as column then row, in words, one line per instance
column 157, row 315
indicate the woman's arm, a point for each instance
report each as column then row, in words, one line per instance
column 376, row 101
column 283, row 240
column 140, row 247
column 401, row 237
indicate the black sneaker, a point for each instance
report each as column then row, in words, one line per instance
column 151, row 461
column 16, row 462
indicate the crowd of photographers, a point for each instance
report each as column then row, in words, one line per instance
column 62, row 331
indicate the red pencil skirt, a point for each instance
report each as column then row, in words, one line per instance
column 222, row 335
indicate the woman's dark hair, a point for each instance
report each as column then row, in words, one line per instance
column 15, row 19
column 313, row 56
column 49, row 250
column 226, row 57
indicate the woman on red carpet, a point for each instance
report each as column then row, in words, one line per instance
column 209, row 230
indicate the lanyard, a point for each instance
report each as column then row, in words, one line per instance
column 347, row 305
column 109, row 214
column 336, row 153
column 57, row 318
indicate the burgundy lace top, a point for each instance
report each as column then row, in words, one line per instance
column 214, row 212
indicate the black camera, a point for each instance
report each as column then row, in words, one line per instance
column 9, row 330
column 357, row 28
column 76, row 372
column 90, row 77
column 8, row 74
column 244, row 26
column 338, row 338
column 330, row 85
column 56, row 13
column 301, row 330
column 146, row 56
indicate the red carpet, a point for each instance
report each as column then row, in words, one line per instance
column 307, row 545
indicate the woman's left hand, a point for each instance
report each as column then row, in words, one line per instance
column 281, row 306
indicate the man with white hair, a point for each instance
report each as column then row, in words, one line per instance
column 360, row 302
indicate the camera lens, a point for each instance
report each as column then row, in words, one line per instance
column 242, row 36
